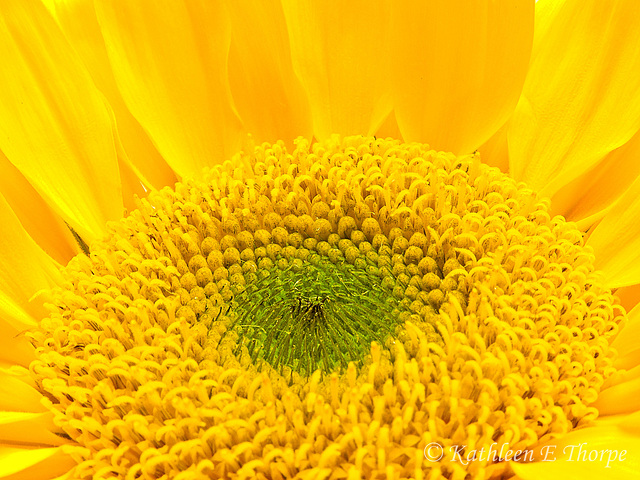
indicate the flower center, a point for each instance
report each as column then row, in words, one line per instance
column 311, row 311
column 334, row 309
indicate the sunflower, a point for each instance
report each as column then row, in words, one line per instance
column 319, row 239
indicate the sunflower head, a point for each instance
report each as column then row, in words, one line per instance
column 340, row 306
column 344, row 304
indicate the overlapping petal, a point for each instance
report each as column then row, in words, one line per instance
column 33, row 464
column 54, row 124
column 589, row 197
column 622, row 396
column 627, row 343
column 629, row 297
column 581, row 99
column 268, row 95
column 17, row 396
column 78, row 21
column 15, row 348
column 568, row 457
column 616, row 240
column 169, row 60
column 36, row 216
column 29, row 428
column 458, row 68
column 340, row 51
column 26, row 269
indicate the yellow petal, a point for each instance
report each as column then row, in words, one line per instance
column 14, row 315
column 28, row 429
column 17, row 396
column 624, row 421
column 589, row 197
column 33, row 464
column 389, row 128
column 55, row 126
column 132, row 186
column 266, row 92
column 458, row 68
column 495, row 151
column 581, row 99
column 629, row 296
column 616, row 240
column 170, row 63
column 80, row 25
column 614, row 449
column 38, row 219
column 25, row 269
column 15, row 348
column 340, row 51
column 623, row 394
column 626, row 343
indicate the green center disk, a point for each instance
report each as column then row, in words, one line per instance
column 315, row 314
